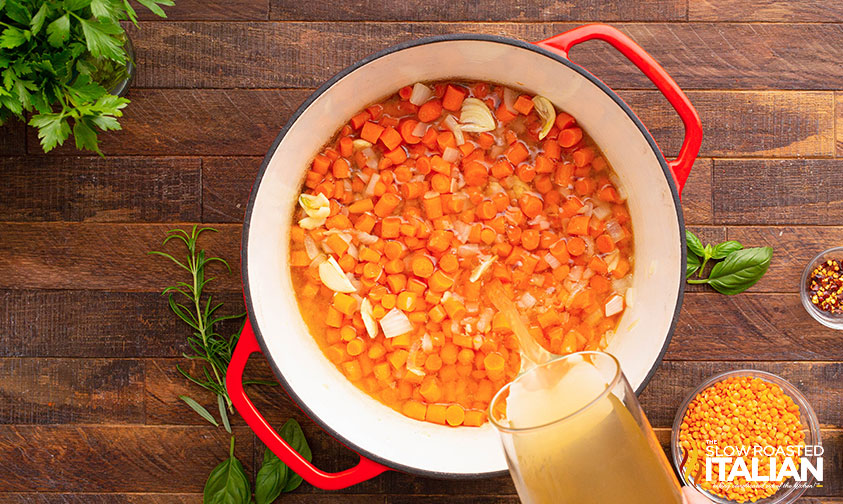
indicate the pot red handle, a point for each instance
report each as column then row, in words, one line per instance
column 681, row 166
column 247, row 345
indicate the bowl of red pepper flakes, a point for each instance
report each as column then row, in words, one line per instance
column 822, row 288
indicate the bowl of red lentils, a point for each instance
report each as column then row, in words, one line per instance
column 744, row 411
column 822, row 288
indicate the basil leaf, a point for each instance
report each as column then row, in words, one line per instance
column 292, row 433
column 740, row 270
column 228, row 483
column 692, row 266
column 721, row 250
column 694, row 243
column 271, row 479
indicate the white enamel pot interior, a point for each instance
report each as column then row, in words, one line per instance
column 361, row 422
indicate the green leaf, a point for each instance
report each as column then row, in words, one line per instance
column 153, row 5
column 13, row 37
column 223, row 414
column 85, row 91
column 58, row 31
column 271, row 479
column 99, row 36
column 76, row 5
column 130, row 11
column 38, row 19
column 721, row 250
column 105, row 9
column 692, row 266
column 292, row 433
column 17, row 12
column 106, row 123
column 227, row 483
column 694, row 244
column 85, row 136
column 740, row 270
column 2, row 4
column 198, row 408
column 53, row 129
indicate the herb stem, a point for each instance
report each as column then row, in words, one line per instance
column 697, row 280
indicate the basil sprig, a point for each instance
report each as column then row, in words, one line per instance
column 274, row 477
column 739, row 269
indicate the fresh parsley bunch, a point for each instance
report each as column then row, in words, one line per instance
column 58, row 58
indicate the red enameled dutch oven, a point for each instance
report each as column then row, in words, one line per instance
column 384, row 438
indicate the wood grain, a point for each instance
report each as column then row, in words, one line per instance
column 765, row 10
column 696, row 196
column 443, row 10
column 750, row 327
column 674, row 381
column 49, row 188
column 61, row 458
column 793, row 247
column 224, row 10
column 838, row 101
column 226, row 184
column 293, row 54
column 777, row 191
column 12, row 138
column 88, row 324
column 104, row 256
column 53, row 391
column 197, row 122
column 744, row 123
column 100, row 498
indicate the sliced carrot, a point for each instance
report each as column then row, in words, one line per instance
column 361, row 206
column 475, row 174
column 430, row 111
column 371, row 132
column 576, row 246
column 524, row 104
column 387, row 204
column 390, row 227
column 570, row 137
column 530, row 204
column 454, row 96
column 454, row 415
column 440, row 282
column 517, row 153
column 605, row 244
column 578, row 225
column 415, row 409
column 502, row 169
column 422, row 266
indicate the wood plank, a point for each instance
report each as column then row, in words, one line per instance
column 12, row 138
column 766, row 10
column 115, row 459
column 750, row 327
column 100, row 498
column 696, row 196
column 104, row 256
column 88, row 324
column 675, row 380
column 744, row 123
column 52, row 391
column 793, row 247
column 226, row 184
column 838, row 107
column 782, row 123
column 443, row 10
column 48, row 188
column 207, row 10
column 197, row 122
column 292, row 54
column 783, row 191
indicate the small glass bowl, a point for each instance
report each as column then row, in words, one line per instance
column 823, row 317
column 811, row 428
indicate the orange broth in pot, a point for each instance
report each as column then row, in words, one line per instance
column 422, row 199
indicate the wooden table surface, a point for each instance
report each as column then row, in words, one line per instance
column 88, row 348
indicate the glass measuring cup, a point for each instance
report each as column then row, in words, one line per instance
column 574, row 432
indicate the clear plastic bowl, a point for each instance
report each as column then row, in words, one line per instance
column 823, row 317
column 811, row 428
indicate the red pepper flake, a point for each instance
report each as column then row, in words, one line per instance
column 826, row 286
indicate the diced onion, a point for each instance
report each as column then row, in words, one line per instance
column 370, row 188
column 484, row 322
column 469, row 250
column 620, row 285
column 618, row 186
column 310, row 247
column 614, row 230
column 420, row 94
column 367, row 313
column 352, row 251
column 461, row 231
column 630, row 296
column 586, row 209
column 316, row 206
column 612, row 259
column 476, row 117
column 614, row 305
column 509, row 96
column 311, row 222
column 427, row 343
column 420, row 129
column 546, row 112
column 552, row 261
column 589, row 245
column 455, row 127
column 576, row 273
column 526, row 301
column 395, row 323
column 481, row 268
column 334, row 277
column 366, row 238
column 451, row 155
column 601, row 211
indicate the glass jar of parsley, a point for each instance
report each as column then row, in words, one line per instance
column 821, row 288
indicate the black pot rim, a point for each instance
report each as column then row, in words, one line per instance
column 362, row 451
